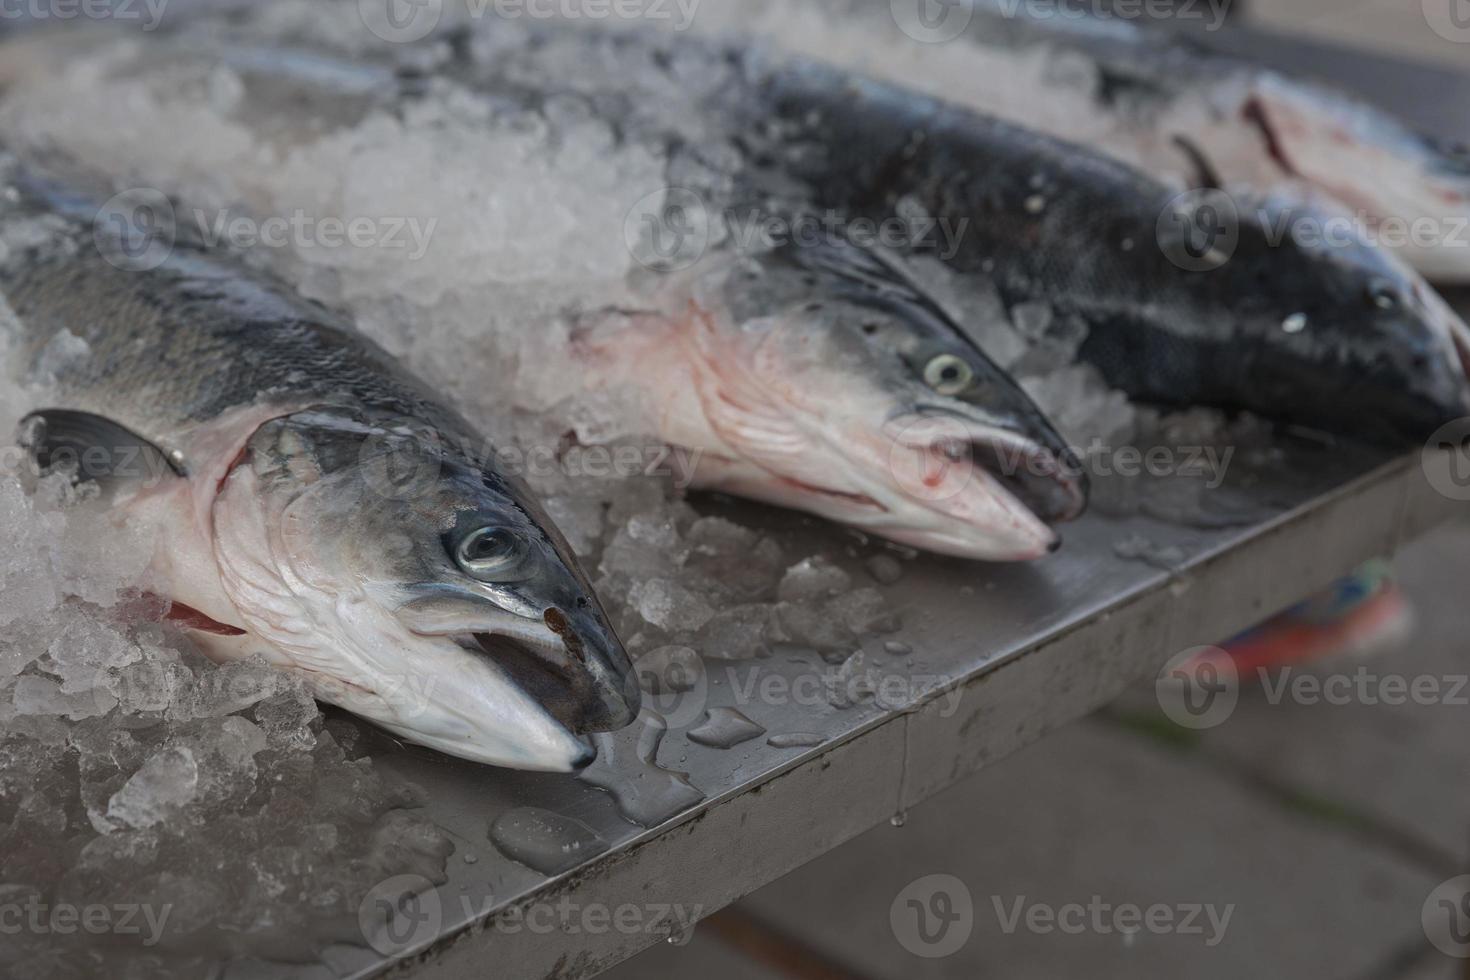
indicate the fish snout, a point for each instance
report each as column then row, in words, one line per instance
column 612, row 695
column 1043, row 474
column 568, row 661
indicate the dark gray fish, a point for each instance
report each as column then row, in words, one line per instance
column 1208, row 300
column 316, row 504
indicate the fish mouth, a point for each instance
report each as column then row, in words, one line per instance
column 567, row 664
column 1051, row 485
column 556, row 679
column 1047, row 480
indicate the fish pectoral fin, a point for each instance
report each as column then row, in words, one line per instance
column 97, row 449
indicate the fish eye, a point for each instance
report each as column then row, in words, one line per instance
column 491, row 554
column 948, row 374
column 1383, row 295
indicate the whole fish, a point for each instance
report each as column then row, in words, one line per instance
column 1151, row 97
column 317, row 504
column 1211, row 299
column 821, row 379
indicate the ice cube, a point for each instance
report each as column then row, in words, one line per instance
column 167, row 781
column 813, row 578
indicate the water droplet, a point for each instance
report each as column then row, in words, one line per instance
column 725, row 728
column 471, row 858
column 547, row 842
column 627, row 767
column 1127, row 244
column 1295, row 323
column 899, row 819
column 897, row 648
column 795, row 740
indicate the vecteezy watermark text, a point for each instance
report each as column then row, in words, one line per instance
column 147, row 13
column 938, row 21
column 32, row 915
column 303, row 232
column 1200, row 230
column 673, row 227
column 407, row 21
column 1104, row 918
column 1200, row 688
column 137, row 229
column 406, row 911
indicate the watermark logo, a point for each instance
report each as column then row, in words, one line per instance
column 929, row 457
column 1450, row 19
column 1101, row 917
column 400, row 914
column 669, row 229
column 303, row 232
column 24, row 912
column 400, row 21
column 148, row 12
column 933, row 917
column 135, row 230
column 932, row 21
column 402, row 461
column 1446, row 460
column 1198, row 688
column 675, row 684
column 1446, row 917
column 1199, row 230
column 1214, row 12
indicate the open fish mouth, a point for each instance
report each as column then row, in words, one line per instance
column 544, row 672
column 551, row 664
column 1052, row 486
column 1048, row 480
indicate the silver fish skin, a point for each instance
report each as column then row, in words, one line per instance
column 316, row 503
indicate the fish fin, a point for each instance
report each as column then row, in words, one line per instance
column 103, row 451
column 1206, row 176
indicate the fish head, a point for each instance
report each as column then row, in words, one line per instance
column 1351, row 339
column 421, row 589
column 866, row 404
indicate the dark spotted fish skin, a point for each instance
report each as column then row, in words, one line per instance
column 1339, row 337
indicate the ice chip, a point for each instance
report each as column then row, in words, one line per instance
column 166, row 782
column 813, row 578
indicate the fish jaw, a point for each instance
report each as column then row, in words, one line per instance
column 570, row 662
column 475, row 709
column 961, row 485
column 915, row 497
